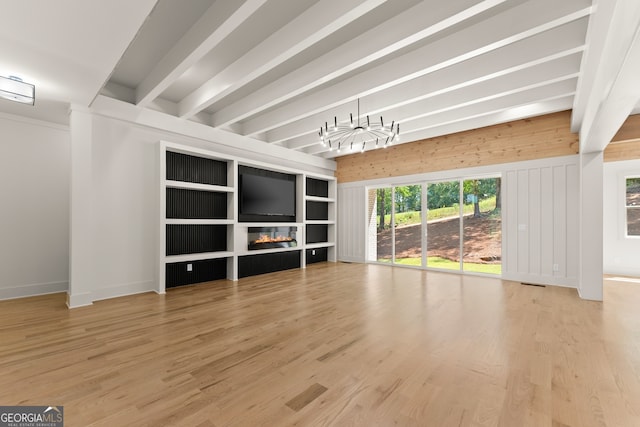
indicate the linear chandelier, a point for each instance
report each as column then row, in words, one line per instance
column 14, row 89
column 357, row 135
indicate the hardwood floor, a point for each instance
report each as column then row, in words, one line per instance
column 335, row 344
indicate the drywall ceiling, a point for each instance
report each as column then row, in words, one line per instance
column 274, row 71
column 66, row 48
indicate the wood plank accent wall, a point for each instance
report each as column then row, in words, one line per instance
column 630, row 129
column 625, row 145
column 527, row 139
column 617, row 151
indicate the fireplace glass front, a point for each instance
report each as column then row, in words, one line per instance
column 271, row 237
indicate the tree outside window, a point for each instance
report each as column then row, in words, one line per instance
column 633, row 206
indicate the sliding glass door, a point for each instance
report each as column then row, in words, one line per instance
column 383, row 230
column 482, row 224
column 408, row 225
column 461, row 230
column 443, row 225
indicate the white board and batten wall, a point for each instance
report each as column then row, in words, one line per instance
column 540, row 239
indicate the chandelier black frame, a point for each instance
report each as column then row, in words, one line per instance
column 356, row 134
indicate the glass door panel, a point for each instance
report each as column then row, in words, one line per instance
column 482, row 223
column 408, row 225
column 633, row 206
column 443, row 225
column 384, row 231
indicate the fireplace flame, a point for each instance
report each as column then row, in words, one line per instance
column 265, row 238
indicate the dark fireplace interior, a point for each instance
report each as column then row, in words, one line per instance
column 272, row 237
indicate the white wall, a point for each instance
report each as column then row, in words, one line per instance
column 351, row 223
column 621, row 253
column 34, row 207
column 125, row 206
column 540, row 217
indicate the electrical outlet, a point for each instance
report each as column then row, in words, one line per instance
column 189, row 267
column 556, row 267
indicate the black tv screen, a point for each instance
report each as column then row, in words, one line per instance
column 264, row 195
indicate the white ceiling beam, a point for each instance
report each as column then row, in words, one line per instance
column 522, row 81
column 600, row 32
column 410, row 26
column 316, row 23
column 609, row 92
column 489, row 119
column 222, row 18
column 515, row 24
column 619, row 103
column 559, row 50
column 231, row 142
column 513, row 101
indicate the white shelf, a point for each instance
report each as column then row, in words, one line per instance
column 178, row 221
column 319, row 199
column 268, row 251
column 270, row 224
column 197, row 257
column 319, row 245
column 196, row 186
column 320, row 222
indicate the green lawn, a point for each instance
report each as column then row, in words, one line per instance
column 408, row 218
column 437, row 262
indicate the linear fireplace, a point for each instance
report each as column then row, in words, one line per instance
column 272, row 237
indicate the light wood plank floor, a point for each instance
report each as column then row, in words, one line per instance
column 335, row 345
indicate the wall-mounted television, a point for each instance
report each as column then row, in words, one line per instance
column 266, row 196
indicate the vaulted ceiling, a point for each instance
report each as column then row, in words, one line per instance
column 275, row 71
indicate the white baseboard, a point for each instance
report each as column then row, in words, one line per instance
column 88, row 298
column 563, row 282
column 79, row 300
column 351, row 259
column 591, row 296
column 124, row 290
column 33, row 290
column 631, row 272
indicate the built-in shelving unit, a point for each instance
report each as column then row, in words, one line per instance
column 320, row 219
column 202, row 235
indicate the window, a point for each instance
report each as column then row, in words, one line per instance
column 461, row 229
column 632, row 203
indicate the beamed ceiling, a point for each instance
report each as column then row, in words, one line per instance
column 274, row 71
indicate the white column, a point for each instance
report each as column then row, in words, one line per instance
column 81, row 211
column 591, row 226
